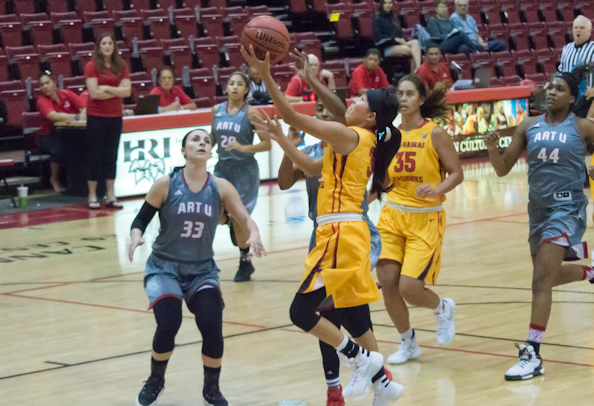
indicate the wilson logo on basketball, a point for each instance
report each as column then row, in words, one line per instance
column 262, row 36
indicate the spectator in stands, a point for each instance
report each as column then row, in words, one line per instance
column 173, row 97
column 387, row 33
column 368, row 75
column 258, row 92
column 466, row 23
column 432, row 72
column 55, row 105
column 108, row 81
column 450, row 39
column 579, row 52
column 297, row 86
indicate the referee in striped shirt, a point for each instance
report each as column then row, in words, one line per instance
column 579, row 52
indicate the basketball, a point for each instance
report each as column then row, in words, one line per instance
column 267, row 34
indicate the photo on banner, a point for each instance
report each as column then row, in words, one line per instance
column 467, row 123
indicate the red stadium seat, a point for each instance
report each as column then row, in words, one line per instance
column 131, row 28
column 140, row 4
column 25, row 60
column 343, row 27
column 208, row 55
column 204, row 87
column 69, row 25
column 511, row 80
column 57, row 57
column 23, row 6
column 256, row 11
column 539, row 78
column 529, row 13
column 16, row 103
column 112, row 5
column 519, row 40
column 165, row 4
column 99, row 21
column 11, row 33
column 495, row 82
column 141, row 88
column 298, row 7
column 159, row 27
column 178, row 52
column 212, row 24
column 547, row 12
column 58, row 6
column 186, row 25
column 511, row 14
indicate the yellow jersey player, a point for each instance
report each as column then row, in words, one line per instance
column 412, row 223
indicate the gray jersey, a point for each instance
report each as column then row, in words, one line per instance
column 188, row 221
column 232, row 127
column 556, row 168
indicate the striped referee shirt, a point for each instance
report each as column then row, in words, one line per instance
column 573, row 56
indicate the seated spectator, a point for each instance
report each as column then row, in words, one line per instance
column 432, row 72
column 173, row 97
column 387, row 33
column 55, row 105
column 297, row 86
column 368, row 75
column 258, row 92
column 466, row 23
column 450, row 39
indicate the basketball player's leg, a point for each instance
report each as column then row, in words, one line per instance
column 165, row 296
column 357, row 321
column 207, row 306
column 247, row 182
column 546, row 269
column 388, row 274
column 331, row 364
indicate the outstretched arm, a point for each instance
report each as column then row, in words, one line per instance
column 273, row 129
column 154, row 199
column 233, row 205
column 343, row 139
column 263, row 145
column 502, row 163
column 330, row 100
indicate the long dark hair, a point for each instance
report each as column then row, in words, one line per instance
column 434, row 105
column 117, row 63
column 388, row 142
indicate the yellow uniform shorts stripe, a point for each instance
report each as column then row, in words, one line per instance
column 341, row 258
column 414, row 240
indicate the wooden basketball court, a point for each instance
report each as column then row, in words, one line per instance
column 75, row 329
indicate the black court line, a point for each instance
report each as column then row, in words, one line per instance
column 57, row 363
column 510, row 288
column 494, row 338
column 62, row 365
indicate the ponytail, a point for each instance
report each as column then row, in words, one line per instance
column 388, row 144
column 434, row 104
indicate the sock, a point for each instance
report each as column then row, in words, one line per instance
column 440, row 307
column 348, row 348
column 588, row 273
column 211, row 376
column 535, row 336
column 245, row 252
column 407, row 335
column 380, row 374
column 158, row 367
column 333, row 383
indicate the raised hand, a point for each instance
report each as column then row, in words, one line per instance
column 295, row 136
column 267, row 126
column 256, row 245
column 301, row 64
column 492, row 140
column 262, row 66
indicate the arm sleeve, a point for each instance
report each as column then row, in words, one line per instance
column 383, row 78
column 356, row 82
column 90, row 70
column 294, row 88
column 125, row 72
column 183, row 97
column 44, row 106
column 144, row 217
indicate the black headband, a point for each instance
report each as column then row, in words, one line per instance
column 572, row 81
column 380, row 103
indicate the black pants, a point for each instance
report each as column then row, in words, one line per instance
column 104, row 139
column 458, row 43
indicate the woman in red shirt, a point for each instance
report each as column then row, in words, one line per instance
column 173, row 97
column 108, row 82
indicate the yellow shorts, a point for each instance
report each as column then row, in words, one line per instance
column 341, row 258
column 414, row 240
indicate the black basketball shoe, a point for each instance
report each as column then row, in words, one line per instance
column 246, row 269
column 151, row 391
column 214, row 397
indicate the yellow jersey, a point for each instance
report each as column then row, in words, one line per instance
column 345, row 177
column 415, row 163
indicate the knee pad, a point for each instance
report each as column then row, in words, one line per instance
column 168, row 313
column 302, row 316
column 357, row 320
